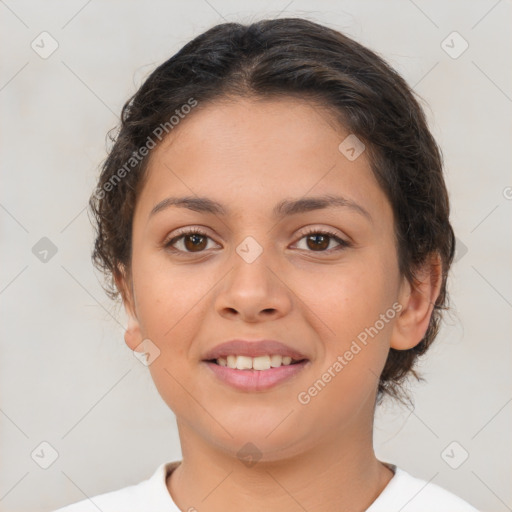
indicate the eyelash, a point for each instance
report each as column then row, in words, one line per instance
column 343, row 244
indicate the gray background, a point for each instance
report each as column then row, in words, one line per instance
column 67, row 377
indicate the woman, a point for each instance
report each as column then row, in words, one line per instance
column 274, row 216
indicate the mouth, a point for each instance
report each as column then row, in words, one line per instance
column 255, row 374
column 254, row 365
column 259, row 363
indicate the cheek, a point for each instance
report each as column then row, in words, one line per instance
column 351, row 297
column 169, row 308
column 355, row 302
column 356, row 343
column 167, row 295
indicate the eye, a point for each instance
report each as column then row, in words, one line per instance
column 192, row 240
column 319, row 240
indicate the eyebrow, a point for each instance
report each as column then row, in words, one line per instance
column 282, row 209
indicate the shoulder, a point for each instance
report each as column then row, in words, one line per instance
column 134, row 498
column 410, row 494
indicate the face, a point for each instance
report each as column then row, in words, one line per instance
column 316, row 280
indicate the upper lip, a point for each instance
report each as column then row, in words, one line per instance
column 252, row 348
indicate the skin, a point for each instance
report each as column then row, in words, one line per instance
column 250, row 154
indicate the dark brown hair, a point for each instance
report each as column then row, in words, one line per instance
column 283, row 57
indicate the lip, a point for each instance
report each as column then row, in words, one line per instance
column 252, row 348
column 256, row 380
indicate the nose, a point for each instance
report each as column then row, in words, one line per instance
column 253, row 291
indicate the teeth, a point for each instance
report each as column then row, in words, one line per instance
column 261, row 363
column 254, row 363
column 243, row 363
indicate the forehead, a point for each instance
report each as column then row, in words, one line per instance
column 252, row 150
column 234, row 123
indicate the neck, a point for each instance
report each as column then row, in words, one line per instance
column 338, row 470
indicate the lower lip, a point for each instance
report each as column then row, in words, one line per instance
column 256, row 380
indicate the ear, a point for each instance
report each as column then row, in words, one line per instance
column 418, row 301
column 132, row 335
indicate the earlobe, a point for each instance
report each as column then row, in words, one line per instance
column 418, row 301
column 132, row 335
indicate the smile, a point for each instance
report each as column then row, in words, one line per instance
column 255, row 363
column 249, row 377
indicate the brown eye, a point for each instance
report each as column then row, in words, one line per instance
column 194, row 242
column 318, row 241
column 189, row 241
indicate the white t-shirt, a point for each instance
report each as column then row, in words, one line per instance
column 404, row 493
